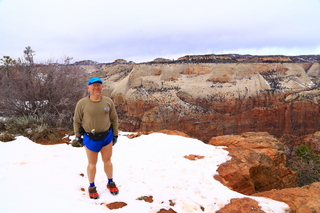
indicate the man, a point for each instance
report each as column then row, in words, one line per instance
column 98, row 119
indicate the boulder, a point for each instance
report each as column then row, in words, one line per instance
column 257, row 163
column 241, row 205
column 304, row 199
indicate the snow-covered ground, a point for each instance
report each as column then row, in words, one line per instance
column 37, row 178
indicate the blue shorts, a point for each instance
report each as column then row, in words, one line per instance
column 96, row 146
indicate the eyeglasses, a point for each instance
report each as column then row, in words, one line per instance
column 96, row 85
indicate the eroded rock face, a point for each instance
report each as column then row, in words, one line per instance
column 311, row 140
column 257, row 164
column 304, row 199
column 211, row 99
column 241, row 205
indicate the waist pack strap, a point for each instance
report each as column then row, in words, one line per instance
column 98, row 136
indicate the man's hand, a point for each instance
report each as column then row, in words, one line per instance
column 115, row 140
column 77, row 142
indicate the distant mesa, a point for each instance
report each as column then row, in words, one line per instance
column 161, row 60
column 220, row 58
column 86, row 62
column 120, row 61
column 204, row 57
column 236, row 58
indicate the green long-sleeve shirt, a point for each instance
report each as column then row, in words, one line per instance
column 97, row 115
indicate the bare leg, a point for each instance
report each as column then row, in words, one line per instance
column 106, row 153
column 92, row 163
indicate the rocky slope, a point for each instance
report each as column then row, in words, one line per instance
column 205, row 99
column 258, row 168
column 257, row 164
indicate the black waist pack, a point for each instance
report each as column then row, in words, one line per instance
column 98, row 136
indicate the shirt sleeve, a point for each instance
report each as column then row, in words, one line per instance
column 114, row 119
column 77, row 119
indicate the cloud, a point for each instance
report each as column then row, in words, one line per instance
column 104, row 30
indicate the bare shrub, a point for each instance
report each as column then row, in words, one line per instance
column 51, row 90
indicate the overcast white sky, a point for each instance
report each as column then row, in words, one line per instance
column 142, row 30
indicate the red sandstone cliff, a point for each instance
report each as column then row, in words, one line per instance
column 211, row 99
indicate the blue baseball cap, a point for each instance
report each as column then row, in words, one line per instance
column 94, row 80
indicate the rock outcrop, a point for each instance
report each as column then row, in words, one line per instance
column 211, row 99
column 311, row 140
column 242, row 205
column 257, row 164
column 304, row 199
column 257, row 168
column 300, row 200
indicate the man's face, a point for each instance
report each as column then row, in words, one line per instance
column 95, row 89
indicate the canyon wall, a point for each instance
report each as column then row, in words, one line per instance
column 212, row 99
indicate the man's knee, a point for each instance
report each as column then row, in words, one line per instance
column 107, row 161
column 92, row 165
